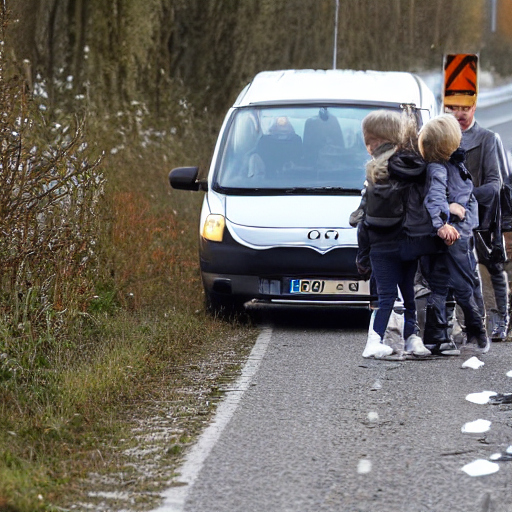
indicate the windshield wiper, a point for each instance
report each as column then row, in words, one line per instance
column 262, row 191
column 324, row 190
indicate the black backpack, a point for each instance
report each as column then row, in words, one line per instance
column 385, row 203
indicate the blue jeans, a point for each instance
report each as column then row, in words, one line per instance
column 392, row 272
column 413, row 248
column 455, row 271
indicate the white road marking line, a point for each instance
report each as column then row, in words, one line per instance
column 175, row 497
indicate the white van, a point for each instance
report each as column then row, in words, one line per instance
column 286, row 173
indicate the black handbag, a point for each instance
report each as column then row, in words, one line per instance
column 488, row 253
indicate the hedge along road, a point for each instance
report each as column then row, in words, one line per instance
column 312, row 426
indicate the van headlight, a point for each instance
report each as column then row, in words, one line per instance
column 213, row 228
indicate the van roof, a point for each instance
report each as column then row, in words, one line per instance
column 336, row 85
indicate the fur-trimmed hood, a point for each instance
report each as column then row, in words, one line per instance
column 377, row 167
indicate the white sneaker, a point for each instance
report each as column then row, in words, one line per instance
column 414, row 345
column 375, row 347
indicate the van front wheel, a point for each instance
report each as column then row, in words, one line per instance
column 223, row 306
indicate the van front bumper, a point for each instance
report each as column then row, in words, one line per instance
column 296, row 275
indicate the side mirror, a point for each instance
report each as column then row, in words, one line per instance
column 185, row 178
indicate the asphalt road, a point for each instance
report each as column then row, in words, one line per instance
column 319, row 428
column 312, row 426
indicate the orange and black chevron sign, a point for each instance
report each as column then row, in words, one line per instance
column 460, row 74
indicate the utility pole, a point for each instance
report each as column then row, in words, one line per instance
column 493, row 16
column 335, row 52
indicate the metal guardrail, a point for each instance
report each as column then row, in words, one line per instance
column 490, row 97
column 487, row 96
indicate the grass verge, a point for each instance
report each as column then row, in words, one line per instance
column 105, row 421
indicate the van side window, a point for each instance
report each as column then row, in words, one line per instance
column 243, row 137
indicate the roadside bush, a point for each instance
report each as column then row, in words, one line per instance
column 100, row 297
column 51, row 187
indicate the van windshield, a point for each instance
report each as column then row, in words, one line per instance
column 293, row 148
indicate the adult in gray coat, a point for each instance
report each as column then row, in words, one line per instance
column 483, row 163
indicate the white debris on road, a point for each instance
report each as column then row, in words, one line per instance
column 481, row 467
column 480, row 398
column 364, row 466
column 476, row 427
column 473, row 362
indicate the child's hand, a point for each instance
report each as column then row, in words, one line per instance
column 448, row 233
column 458, row 209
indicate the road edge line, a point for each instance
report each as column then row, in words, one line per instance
column 175, row 496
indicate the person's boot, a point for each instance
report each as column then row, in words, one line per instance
column 499, row 333
column 421, row 305
column 475, row 328
column 481, row 340
column 436, row 337
column 499, row 319
column 450, row 322
column 509, row 315
column 499, row 316
column 375, row 347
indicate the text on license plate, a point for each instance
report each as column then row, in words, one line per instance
column 329, row 286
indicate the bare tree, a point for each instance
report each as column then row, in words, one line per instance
column 125, row 50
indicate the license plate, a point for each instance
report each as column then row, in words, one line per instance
column 329, row 287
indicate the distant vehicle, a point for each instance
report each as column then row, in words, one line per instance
column 286, row 173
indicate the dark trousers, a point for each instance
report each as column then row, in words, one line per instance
column 392, row 272
column 455, row 270
column 492, row 256
column 500, row 287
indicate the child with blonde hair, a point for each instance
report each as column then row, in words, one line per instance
column 454, row 213
column 383, row 231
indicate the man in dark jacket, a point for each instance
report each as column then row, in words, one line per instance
column 483, row 162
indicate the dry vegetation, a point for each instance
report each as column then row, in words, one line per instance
column 102, row 321
column 102, row 325
column 105, row 348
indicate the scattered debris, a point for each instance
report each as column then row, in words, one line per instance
column 476, row 427
column 480, row 467
column 480, row 398
column 473, row 362
column 501, row 398
column 502, row 457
